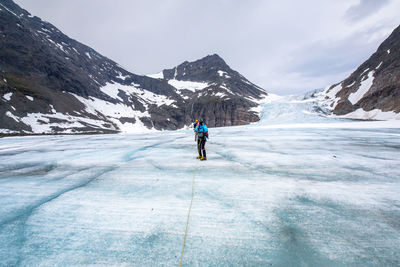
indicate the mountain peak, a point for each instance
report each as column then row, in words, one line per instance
column 213, row 60
column 201, row 69
column 215, row 57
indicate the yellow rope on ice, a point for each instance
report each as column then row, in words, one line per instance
column 188, row 217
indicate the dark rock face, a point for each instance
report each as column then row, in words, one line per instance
column 223, row 98
column 52, row 83
column 383, row 70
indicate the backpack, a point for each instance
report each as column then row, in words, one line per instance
column 201, row 134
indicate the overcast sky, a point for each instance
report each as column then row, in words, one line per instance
column 285, row 46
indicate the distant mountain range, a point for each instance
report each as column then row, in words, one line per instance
column 372, row 91
column 50, row 83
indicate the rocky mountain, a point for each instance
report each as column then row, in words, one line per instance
column 214, row 92
column 50, row 83
column 373, row 90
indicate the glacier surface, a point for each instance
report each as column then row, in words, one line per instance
column 295, row 189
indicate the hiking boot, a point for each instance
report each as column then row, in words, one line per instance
column 199, row 157
column 203, row 158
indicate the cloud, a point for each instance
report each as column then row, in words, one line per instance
column 324, row 62
column 364, row 9
column 327, row 57
column 283, row 46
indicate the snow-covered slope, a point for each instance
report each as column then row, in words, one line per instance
column 373, row 90
column 50, row 83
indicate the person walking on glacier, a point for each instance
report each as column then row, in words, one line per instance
column 202, row 135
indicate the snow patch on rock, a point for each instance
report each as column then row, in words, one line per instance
column 52, row 109
column 9, row 114
column 144, row 96
column 159, row 75
column 332, row 92
column 220, row 94
column 363, row 89
column 375, row 114
column 122, row 77
column 222, row 73
column 332, row 100
column 364, row 71
column 350, row 85
column 223, row 86
column 7, row 96
column 188, row 85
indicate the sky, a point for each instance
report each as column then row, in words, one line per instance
column 285, row 47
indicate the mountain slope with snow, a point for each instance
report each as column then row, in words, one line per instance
column 50, row 83
column 215, row 92
column 373, row 90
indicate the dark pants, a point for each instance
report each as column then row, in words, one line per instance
column 201, row 143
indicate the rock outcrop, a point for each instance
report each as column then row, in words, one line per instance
column 373, row 90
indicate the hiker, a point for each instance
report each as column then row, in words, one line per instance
column 202, row 135
column 194, row 127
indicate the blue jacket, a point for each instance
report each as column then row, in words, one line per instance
column 201, row 128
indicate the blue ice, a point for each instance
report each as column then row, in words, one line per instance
column 289, row 196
